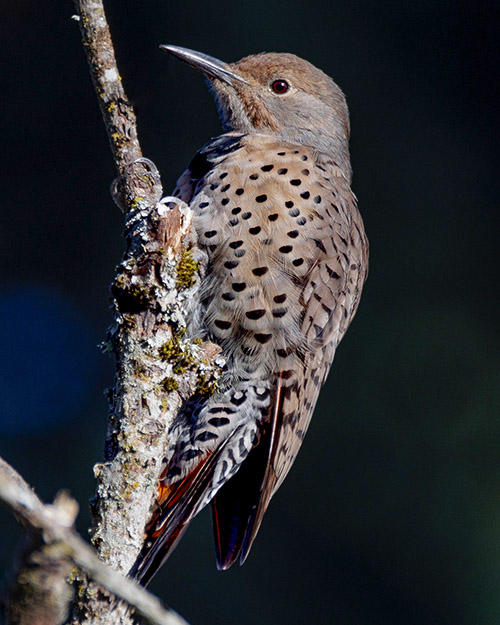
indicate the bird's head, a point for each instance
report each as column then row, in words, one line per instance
column 277, row 94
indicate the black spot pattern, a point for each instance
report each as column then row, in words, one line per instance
column 260, row 271
column 222, row 325
column 255, row 314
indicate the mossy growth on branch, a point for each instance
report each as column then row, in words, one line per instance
column 186, row 269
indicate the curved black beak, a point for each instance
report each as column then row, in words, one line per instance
column 208, row 65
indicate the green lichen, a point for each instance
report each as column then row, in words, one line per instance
column 171, row 349
column 181, row 355
column 186, row 268
column 206, row 385
column 169, row 385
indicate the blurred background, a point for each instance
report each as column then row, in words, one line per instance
column 391, row 514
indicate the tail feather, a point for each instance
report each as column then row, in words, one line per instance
column 171, row 520
column 239, row 506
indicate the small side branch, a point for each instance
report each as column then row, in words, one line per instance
column 58, row 548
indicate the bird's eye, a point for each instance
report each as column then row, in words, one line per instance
column 279, row 86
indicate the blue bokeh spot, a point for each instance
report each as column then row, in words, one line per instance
column 48, row 358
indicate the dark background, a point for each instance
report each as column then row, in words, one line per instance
column 391, row 514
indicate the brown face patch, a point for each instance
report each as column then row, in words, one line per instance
column 256, row 110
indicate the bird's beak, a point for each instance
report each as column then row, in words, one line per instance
column 208, row 65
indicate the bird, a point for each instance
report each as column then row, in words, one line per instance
column 286, row 259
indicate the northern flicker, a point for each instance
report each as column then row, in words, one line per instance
column 287, row 258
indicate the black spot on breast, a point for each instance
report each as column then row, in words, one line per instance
column 214, row 186
column 303, row 158
column 267, row 167
column 273, row 217
column 281, row 153
column 253, row 176
column 222, row 325
column 261, row 198
column 285, row 249
column 293, row 234
column 282, row 171
column 203, row 204
column 255, row 230
column 260, row 271
column 210, row 233
column 301, row 221
column 298, row 262
column 246, row 215
column 224, row 201
column 239, row 253
column 234, row 222
column 235, row 244
column 223, row 175
column 218, row 421
column 305, row 172
column 264, row 395
column 206, row 436
column 294, row 213
column 263, row 338
column 239, row 286
column 317, row 199
column 190, row 454
column 305, row 195
column 255, row 314
column 237, row 401
column 240, row 191
column 225, row 188
column 236, row 210
column 289, row 204
column 228, row 297
column 231, row 264
column 279, row 312
column 296, row 182
column 279, row 299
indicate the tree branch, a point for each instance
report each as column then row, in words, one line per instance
column 157, row 367
column 58, row 548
